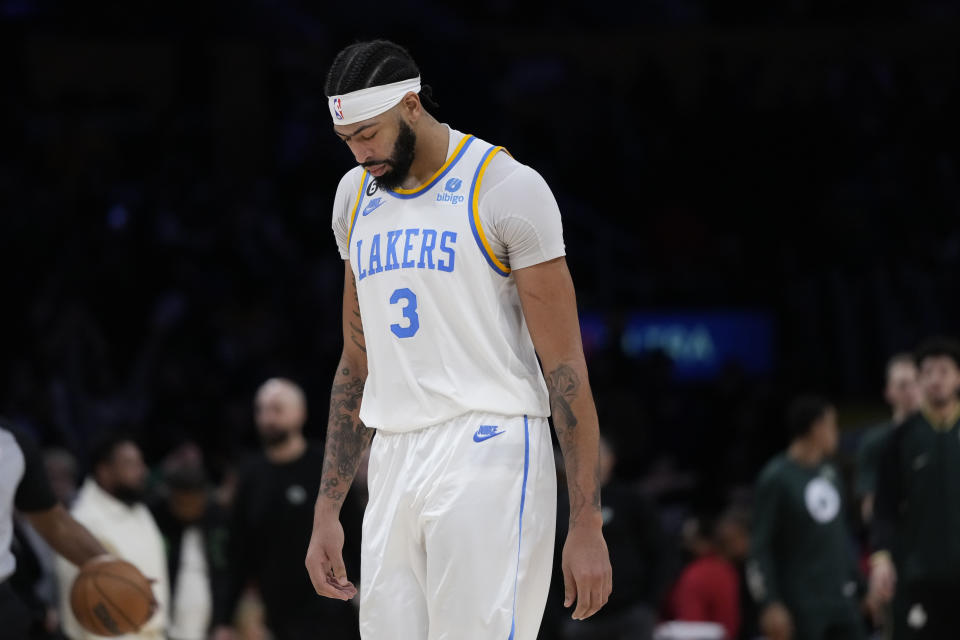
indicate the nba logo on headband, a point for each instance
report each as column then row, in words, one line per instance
column 364, row 104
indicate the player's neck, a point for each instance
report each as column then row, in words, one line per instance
column 805, row 453
column 433, row 141
column 291, row 449
column 944, row 414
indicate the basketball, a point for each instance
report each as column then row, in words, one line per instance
column 111, row 597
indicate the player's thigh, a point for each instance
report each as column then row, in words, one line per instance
column 392, row 560
column 539, row 535
column 394, row 607
column 489, row 539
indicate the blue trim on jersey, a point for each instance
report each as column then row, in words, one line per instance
column 523, row 499
column 357, row 209
column 473, row 221
column 425, row 188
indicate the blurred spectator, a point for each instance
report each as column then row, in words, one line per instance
column 24, row 487
column 194, row 529
column 917, row 518
column 802, row 569
column 903, row 395
column 733, row 538
column 110, row 504
column 632, row 531
column 708, row 589
column 271, row 524
column 61, row 468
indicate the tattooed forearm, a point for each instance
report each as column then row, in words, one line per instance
column 564, row 386
column 347, row 437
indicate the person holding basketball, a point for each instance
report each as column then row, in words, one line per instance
column 24, row 487
column 110, row 504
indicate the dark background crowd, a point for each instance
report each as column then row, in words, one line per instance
column 167, row 172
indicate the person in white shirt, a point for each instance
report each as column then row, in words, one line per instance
column 110, row 505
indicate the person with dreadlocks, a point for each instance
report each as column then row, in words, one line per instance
column 455, row 282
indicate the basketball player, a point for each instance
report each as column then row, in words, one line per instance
column 902, row 393
column 916, row 529
column 801, row 572
column 455, row 282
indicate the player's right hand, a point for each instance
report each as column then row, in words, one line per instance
column 587, row 575
column 325, row 561
column 776, row 623
column 883, row 578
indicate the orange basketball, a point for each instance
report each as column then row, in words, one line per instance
column 111, row 597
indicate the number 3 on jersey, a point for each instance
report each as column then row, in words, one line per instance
column 409, row 312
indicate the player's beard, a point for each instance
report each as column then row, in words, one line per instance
column 274, row 437
column 128, row 495
column 400, row 160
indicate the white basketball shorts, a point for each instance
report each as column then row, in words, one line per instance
column 458, row 534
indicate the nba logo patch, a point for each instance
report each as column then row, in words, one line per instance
column 338, row 108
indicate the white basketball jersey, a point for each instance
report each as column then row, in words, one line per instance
column 442, row 320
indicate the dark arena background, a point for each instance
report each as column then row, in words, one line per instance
column 760, row 200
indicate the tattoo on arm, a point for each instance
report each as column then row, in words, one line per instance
column 564, row 386
column 347, row 437
column 356, row 324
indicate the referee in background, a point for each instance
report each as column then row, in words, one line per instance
column 916, row 528
column 24, row 486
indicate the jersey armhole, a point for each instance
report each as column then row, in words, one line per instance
column 474, row 210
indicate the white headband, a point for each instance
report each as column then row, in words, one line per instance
column 360, row 105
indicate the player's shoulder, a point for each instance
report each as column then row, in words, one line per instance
column 506, row 176
column 774, row 470
column 504, row 166
column 916, row 427
column 875, row 436
column 913, row 421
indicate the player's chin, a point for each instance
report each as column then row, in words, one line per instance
column 378, row 170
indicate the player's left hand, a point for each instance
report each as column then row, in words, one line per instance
column 587, row 574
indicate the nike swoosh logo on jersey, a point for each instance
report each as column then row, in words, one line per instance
column 487, row 431
column 373, row 205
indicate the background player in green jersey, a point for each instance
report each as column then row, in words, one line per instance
column 916, row 527
column 903, row 395
column 802, row 570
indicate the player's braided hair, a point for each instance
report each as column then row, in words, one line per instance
column 370, row 64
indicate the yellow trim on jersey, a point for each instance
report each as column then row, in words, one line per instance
column 356, row 205
column 475, row 211
column 446, row 164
